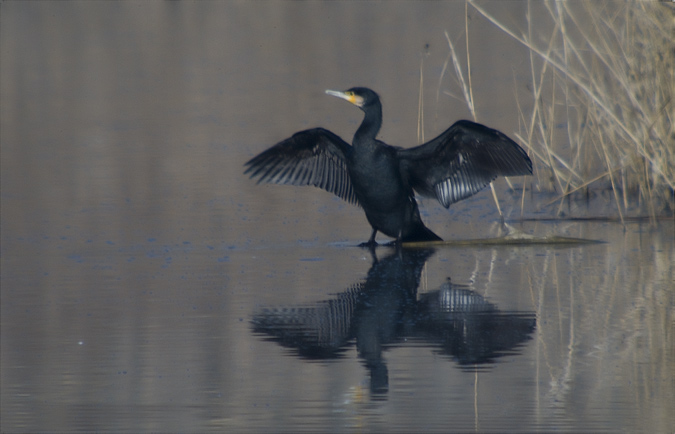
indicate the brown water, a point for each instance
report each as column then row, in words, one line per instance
column 147, row 285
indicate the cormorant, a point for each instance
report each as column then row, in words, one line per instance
column 381, row 178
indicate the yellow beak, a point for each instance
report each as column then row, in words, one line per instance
column 349, row 96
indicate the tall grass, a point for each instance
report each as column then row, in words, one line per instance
column 605, row 71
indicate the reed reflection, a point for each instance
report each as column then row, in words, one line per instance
column 385, row 310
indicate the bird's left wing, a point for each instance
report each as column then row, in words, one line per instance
column 311, row 157
column 461, row 161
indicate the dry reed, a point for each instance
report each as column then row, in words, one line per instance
column 605, row 70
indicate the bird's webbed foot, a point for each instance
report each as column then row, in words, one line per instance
column 371, row 243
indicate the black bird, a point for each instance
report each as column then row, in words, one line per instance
column 381, row 178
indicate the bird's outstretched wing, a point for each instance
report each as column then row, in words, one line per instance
column 461, row 161
column 311, row 157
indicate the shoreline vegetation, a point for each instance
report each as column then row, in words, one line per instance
column 603, row 88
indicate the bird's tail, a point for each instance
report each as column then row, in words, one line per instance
column 420, row 233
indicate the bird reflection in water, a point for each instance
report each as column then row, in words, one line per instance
column 385, row 310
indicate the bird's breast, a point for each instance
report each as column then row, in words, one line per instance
column 378, row 184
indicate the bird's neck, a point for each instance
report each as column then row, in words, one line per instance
column 370, row 126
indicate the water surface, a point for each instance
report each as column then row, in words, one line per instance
column 147, row 285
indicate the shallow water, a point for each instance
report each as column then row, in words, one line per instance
column 147, row 285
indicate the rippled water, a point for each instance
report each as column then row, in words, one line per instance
column 147, row 285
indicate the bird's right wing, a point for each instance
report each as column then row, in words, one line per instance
column 311, row 157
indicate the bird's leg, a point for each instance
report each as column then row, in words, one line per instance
column 399, row 239
column 398, row 242
column 371, row 242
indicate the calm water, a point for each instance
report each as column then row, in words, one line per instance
column 147, row 285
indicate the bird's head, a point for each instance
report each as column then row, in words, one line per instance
column 361, row 97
